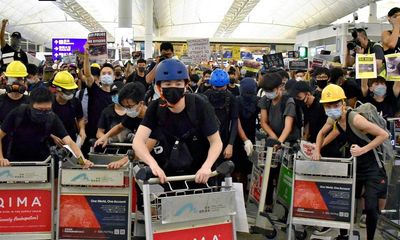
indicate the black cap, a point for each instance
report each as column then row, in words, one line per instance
column 116, row 87
column 351, row 89
column 300, row 86
column 16, row 35
column 393, row 11
column 270, row 81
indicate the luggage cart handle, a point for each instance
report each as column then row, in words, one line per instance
column 42, row 163
column 330, row 159
column 145, row 174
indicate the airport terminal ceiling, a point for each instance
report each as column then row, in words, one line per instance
column 261, row 20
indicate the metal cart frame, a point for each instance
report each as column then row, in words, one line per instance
column 29, row 176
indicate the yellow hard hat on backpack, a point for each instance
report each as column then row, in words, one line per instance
column 332, row 93
column 16, row 69
column 65, row 80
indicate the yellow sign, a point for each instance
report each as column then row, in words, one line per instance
column 366, row 66
column 236, row 53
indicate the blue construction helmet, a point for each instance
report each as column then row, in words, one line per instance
column 171, row 69
column 219, row 78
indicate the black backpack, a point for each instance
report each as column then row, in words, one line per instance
column 299, row 119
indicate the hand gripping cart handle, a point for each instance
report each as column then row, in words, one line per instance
column 323, row 193
column 26, row 200
column 197, row 213
column 94, row 203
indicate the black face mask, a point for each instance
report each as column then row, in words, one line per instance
column 322, row 83
column 173, row 94
column 232, row 80
column 141, row 69
column 39, row 116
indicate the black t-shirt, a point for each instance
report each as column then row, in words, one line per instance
column 235, row 90
column 7, row 104
column 203, row 88
column 226, row 110
column 109, row 119
column 98, row 101
column 68, row 113
column 29, row 139
column 134, row 77
column 175, row 125
column 7, row 57
column 388, row 107
column 315, row 117
column 131, row 123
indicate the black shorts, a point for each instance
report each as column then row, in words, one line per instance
column 373, row 186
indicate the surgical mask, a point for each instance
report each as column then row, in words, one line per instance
column 132, row 113
column 114, row 99
column 30, row 80
column 299, row 79
column 11, row 80
column 334, row 113
column 67, row 96
column 380, row 90
column 106, row 79
column 322, row 83
column 271, row 95
column 173, row 94
column 39, row 116
column 141, row 69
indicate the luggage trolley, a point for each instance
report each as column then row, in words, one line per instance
column 187, row 214
column 112, row 152
column 263, row 161
column 389, row 219
column 323, row 193
column 94, row 203
column 27, row 200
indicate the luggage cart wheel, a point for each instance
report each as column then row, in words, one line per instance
column 300, row 235
column 270, row 234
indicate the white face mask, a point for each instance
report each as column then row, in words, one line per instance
column 11, row 80
column 67, row 96
column 107, row 79
column 30, row 80
column 132, row 113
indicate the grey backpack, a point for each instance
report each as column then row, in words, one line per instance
column 384, row 151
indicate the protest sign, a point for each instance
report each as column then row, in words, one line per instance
column 97, row 45
column 393, row 67
column 199, row 50
column 298, row 64
column 365, row 66
column 273, row 60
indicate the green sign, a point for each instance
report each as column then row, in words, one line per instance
column 285, row 185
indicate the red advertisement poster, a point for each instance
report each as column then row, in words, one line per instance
column 215, row 232
column 322, row 200
column 94, row 217
column 25, row 211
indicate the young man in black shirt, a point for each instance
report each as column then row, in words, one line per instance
column 391, row 39
column 376, row 91
column 32, row 79
column 232, row 87
column 131, row 97
column 15, row 88
column 172, row 116
column 13, row 52
column 140, row 74
column 68, row 108
column 226, row 110
column 98, row 93
column 371, row 179
column 204, row 84
column 25, row 133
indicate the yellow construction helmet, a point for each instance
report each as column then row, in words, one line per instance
column 16, row 69
column 332, row 93
column 65, row 80
column 95, row 65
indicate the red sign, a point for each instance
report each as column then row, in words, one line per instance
column 215, row 232
column 25, row 211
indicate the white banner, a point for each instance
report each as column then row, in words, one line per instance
column 199, row 50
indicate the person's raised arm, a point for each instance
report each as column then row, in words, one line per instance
column 349, row 60
column 2, row 33
column 396, row 88
column 214, row 151
column 364, row 87
column 89, row 79
column 389, row 40
column 143, row 153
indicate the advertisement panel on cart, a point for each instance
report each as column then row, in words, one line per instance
column 214, row 232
